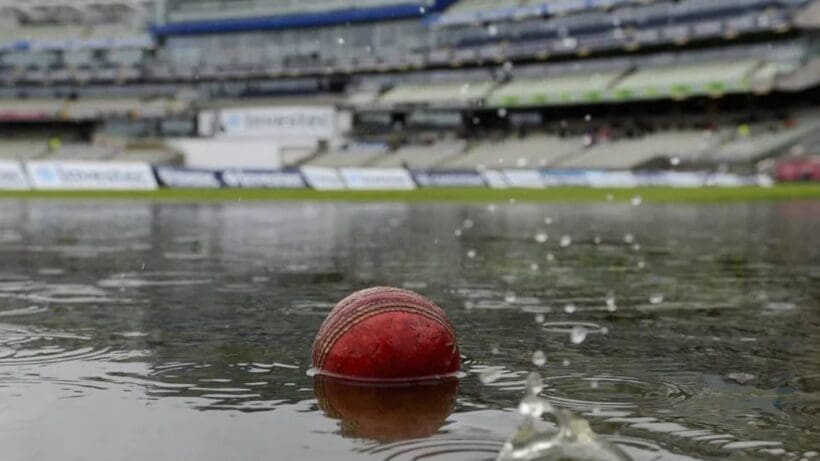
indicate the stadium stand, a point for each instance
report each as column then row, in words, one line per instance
column 421, row 156
column 351, row 155
column 764, row 141
column 441, row 94
column 560, row 89
column 678, row 81
column 23, row 149
column 533, row 151
column 632, row 153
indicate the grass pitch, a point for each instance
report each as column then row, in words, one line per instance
column 464, row 195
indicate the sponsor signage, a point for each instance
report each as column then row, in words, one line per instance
column 270, row 179
column 179, row 178
column 529, row 179
column 494, row 179
column 296, row 121
column 80, row 175
column 611, row 179
column 448, row 178
column 12, row 176
column 322, row 178
column 377, row 178
column 564, row 177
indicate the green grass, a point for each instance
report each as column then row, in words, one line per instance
column 555, row 194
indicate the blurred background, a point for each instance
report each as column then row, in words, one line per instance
column 563, row 85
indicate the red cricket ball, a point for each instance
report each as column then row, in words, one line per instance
column 385, row 333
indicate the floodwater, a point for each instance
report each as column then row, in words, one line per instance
column 142, row 331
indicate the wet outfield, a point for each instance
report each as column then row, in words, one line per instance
column 137, row 330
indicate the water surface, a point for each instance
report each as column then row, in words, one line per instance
column 178, row 331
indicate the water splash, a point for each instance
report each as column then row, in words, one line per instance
column 539, row 359
column 573, row 439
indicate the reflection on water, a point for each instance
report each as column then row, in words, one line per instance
column 173, row 331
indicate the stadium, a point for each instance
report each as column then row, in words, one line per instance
column 410, row 230
column 474, row 93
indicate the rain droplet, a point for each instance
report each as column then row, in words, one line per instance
column 578, row 334
column 422, row 9
column 674, row 161
column 570, row 308
column 534, row 406
column 629, row 238
column 588, row 117
column 502, row 112
column 340, row 41
column 534, row 383
column 636, row 247
column 509, row 297
column 469, row 304
column 471, row 254
column 565, row 362
column 539, row 318
column 610, row 303
column 490, row 375
column 641, row 264
column 656, row 299
column 539, row 359
column 636, row 200
column 609, row 197
column 541, row 237
column 457, row 232
column 593, row 384
column 512, row 201
column 468, row 224
column 566, row 241
column 548, row 220
column 604, row 330
column 495, row 351
column 550, row 257
column 534, row 267
column 491, row 208
column 596, row 240
column 507, row 66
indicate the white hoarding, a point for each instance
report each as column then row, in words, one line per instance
column 321, row 178
column 377, row 178
column 528, row 179
column 12, row 176
column 81, row 175
column 293, row 122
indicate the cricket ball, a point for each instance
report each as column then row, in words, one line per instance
column 386, row 334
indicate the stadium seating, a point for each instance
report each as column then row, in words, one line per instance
column 346, row 157
column 560, row 89
column 631, row 153
column 763, row 141
column 421, row 156
column 197, row 10
column 23, row 149
column 438, row 94
column 682, row 80
column 533, row 151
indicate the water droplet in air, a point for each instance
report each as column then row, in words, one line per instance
column 609, row 197
column 578, row 334
column 457, row 232
column 495, row 351
column 512, row 201
column 534, row 266
column 541, row 237
column 629, row 238
column 534, row 406
column 502, row 112
column 548, row 220
column 588, row 117
column 674, row 161
column 565, row 362
column 636, row 247
column 509, row 297
column 539, row 318
column 469, row 305
column 636, row 200
column 340, row 41
column 422, row 10
column 507, row 66
column 491, row 208
column 610, row 303
column 550, row 257
column 569, row 308
column 538, row 358
column 656, row 299
column 596, row 240
column 534, row 383
column 593, row 384
column 641, row 264
column 490, row 375
column 468, row 224
column 471, row 254
column 566, row 241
